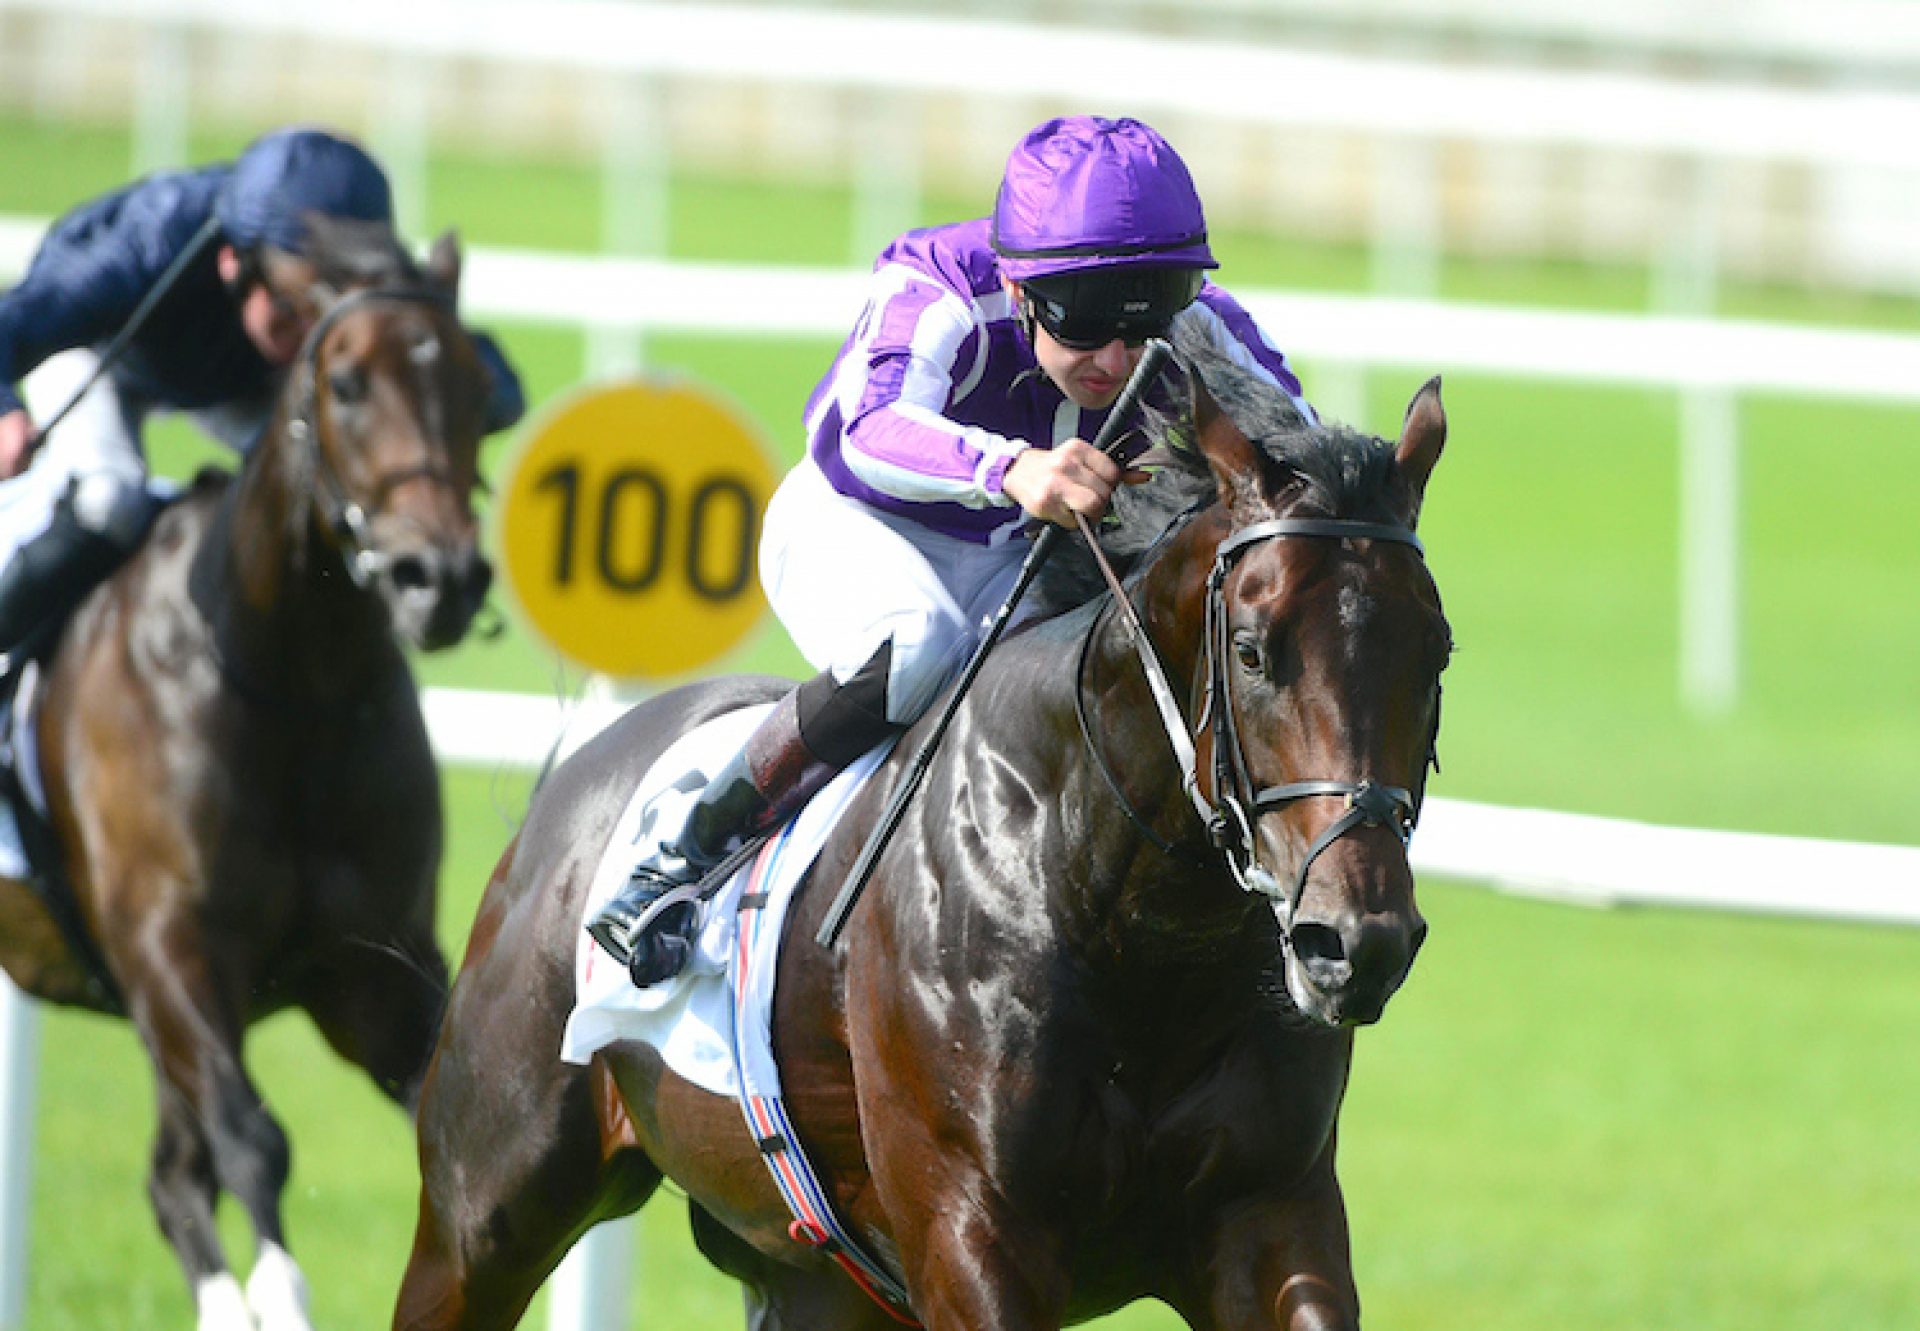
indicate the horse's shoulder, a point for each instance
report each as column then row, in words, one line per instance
column 185, row 515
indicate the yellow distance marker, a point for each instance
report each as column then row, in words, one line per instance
column 628, row 528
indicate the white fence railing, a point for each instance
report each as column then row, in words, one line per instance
column 1852, row 149
column 1707, row 361
column 935, row 53
column 1604, row 860
column 1836, row 37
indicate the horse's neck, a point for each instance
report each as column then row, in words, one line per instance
column 1128, row 904
column 282, row 609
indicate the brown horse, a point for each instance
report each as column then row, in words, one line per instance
column 237, row 774
column 1064, row 1058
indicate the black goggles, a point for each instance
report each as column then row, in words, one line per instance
column 1084, row 311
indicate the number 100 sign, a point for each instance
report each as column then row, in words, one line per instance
column 628, row 526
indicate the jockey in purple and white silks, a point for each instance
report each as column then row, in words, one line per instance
column 958, row 408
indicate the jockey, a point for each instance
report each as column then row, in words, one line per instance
column 958, row 408
column 197, row 271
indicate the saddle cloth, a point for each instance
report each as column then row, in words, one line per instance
column 695, row 1019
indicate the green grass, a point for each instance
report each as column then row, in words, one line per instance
column 1583, row 1120
column 1570, row 1119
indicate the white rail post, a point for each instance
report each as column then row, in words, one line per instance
column 1407, row 222
column 405, row 110
column 589, row 1290
column 886, row 179
column 162, row 98
column 1709, row 550
column 1338, row 391
column 1687, row 283
column 19, row 1057
column 636, row 213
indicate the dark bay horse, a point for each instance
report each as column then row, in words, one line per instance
column 237, row 772
column 1071, row 1052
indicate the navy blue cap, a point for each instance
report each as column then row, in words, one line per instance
column 288, row 173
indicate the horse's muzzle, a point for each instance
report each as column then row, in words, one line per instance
column 1342, row 967
column 433, row 594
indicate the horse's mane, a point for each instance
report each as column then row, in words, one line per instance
column 346, row 254
column 1341, row 471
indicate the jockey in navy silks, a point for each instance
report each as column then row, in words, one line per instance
column 958, row 408
column 226, row 242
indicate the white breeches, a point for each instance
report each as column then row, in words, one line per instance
column 97, row 447
column 844, row 578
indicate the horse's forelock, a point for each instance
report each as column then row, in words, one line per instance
column 1339, row 471
column 348, row 254
column 1345, row 472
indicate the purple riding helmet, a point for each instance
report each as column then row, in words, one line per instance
column 1099, row 223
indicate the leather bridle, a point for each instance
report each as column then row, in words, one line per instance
column 1230, row 816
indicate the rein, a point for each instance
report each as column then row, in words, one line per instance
column 345, row 518
column 1229, row 822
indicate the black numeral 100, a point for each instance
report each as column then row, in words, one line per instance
column 631, row 519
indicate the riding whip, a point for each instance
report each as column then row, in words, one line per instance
column 1152, row 357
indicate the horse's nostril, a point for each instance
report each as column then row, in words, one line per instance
column 479, row 578
column 1318, row 943
column 411, row 573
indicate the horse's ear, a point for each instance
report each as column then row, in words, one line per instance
column 1422, row 435
column 443, row 260
column 1236, row 463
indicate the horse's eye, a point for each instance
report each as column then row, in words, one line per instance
column 348, row 386
column 1246, row 650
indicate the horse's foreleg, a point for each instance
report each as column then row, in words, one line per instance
column 1279, row 1265
column 180, row 1185
column 215, row 1133
column 974, row 1262
column 379, row 1006
column 519, row 1152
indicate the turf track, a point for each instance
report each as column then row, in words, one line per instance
column 1570, row 1119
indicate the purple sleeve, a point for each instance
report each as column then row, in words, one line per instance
column 895, row 385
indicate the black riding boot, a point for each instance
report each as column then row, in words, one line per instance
column 806, row 740
column 52, row 573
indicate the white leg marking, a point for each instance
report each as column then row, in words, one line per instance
column 277, row 1292
column 221, row 1305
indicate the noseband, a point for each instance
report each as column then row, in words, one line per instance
column 1230, row 817
column 1368, row 803
column 344, row 517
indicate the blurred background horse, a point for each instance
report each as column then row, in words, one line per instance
column 244, row 812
